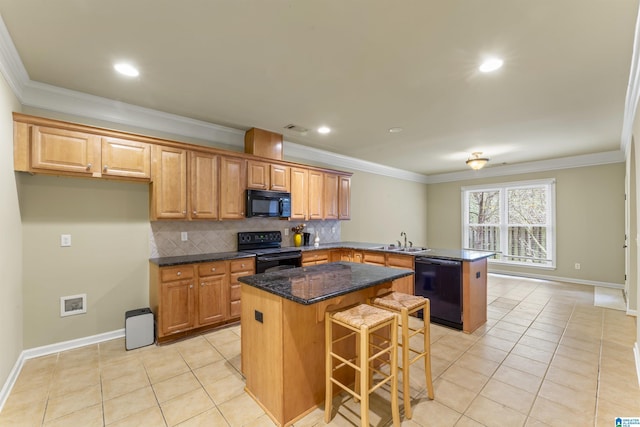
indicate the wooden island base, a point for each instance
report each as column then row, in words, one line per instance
column 283, row 350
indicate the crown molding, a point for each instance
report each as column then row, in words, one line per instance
column 53, row 98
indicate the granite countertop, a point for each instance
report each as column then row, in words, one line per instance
column 191, row 259
column 454, row 254
column 309, row 285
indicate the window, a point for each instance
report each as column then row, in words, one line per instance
column 516, row 220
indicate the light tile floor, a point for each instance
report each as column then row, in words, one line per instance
column 546, row 357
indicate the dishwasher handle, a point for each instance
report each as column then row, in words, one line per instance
column 437, row 261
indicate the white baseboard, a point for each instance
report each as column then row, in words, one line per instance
column 558, row 279
column 50, row 349
column 636, row 352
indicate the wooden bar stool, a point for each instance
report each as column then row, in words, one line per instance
column 362, row 321
column 405, row 305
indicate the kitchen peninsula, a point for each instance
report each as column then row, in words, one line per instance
column 283, row 330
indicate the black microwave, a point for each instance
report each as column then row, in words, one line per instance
column 268, row 203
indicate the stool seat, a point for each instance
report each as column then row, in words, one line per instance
column 363, row 315
column 397, row 301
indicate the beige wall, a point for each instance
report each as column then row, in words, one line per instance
column 589, row 220
column 11, row 303
column 382, row 207
column 108, row 260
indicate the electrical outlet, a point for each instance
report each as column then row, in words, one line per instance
column 65, row 240
column 577, row 266
column 184, row 236
column 286, row 231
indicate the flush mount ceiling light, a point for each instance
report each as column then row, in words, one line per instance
column 490, row 64
column 324, row 129
column 476, row 161
column 126, row 69
column 395, row 130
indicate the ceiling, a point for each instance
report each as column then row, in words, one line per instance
column 359, row 67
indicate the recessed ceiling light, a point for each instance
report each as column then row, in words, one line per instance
column 395, row 130
column 491, row 64
column 324, row 129
column 127, row 69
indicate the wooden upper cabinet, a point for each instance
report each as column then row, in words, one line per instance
column 267, row 176
column 257, row 175
column 316, row 194
column 233, row 182
column 121, row 157
column 344, row 197
column 280, row 178
column 203, row 185
column 169, row 185
column 330, row 196
column 64, row 150
column 299, row 193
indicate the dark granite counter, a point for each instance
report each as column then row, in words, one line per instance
column 190, row 259
column 453, row 254
column 309, row 285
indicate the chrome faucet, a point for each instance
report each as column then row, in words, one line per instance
column 405, row 238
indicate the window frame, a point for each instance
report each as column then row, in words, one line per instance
column 549, row 183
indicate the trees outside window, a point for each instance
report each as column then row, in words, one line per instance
column 515, row 220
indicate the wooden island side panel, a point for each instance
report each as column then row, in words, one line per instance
column 474, row 294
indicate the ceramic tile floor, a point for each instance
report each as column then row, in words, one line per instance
column 546, row 356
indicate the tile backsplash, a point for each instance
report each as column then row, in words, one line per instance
column 221, row 236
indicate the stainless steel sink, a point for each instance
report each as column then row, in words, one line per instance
column 394, row 248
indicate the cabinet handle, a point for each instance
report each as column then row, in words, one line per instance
column 201, row 284
column 184, row 212
column 242, row 265
column 106, row 168
column 190, row 286
column 179, row 273
column 89, row 166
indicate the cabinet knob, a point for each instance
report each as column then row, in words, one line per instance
column 242, row 265
column 184, row 212
column 106, row 168
column 201, row 284
column 89, row 166
column 213, row 269
column 179, row 273
column 190, row 286
column 195, row 212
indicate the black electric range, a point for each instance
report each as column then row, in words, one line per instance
column 270, row 255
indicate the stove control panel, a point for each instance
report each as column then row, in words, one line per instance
column 259, row 238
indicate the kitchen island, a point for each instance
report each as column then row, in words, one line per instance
column 283, row 330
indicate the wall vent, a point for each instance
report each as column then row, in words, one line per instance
column 296, row 128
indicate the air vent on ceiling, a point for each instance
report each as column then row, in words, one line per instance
column 296, row 128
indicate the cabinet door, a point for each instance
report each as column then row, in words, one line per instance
column 316, row 194
column 315, row 257
column 344, row 197
column 130, row 159
column 330, row 196
column 177, row 306
column 212, row 304
column 257, row 175
column 64, row 150
column 233, row 176
column 374, row 258
column 299, row 193
column 280, row 178
column 357, row 256
column 203, row 186
column 169, row 183
column 404, row 284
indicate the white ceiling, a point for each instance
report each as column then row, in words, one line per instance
column 358, row 66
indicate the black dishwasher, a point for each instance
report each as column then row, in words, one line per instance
column 440, row 281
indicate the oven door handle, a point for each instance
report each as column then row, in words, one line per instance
column 279, row 258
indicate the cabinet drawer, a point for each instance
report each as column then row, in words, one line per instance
column 234, row 294
column 374, row 258
column 401, row 261
column 212, row 268
column 243, row 264
column 315, row 256
column 169, row 274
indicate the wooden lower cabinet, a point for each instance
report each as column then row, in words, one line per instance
column 320, row 256
column 238, row 268
column 192, row 297
column 404, row 284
